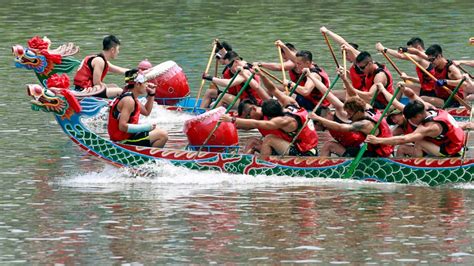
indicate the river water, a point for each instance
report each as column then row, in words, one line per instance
column 60, row 206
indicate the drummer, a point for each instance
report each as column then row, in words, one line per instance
column 124, row 126
column 93, row 69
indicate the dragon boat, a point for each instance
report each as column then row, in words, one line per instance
column 70, row 113
column 172, row 86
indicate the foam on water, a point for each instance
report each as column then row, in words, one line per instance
column 165, row 176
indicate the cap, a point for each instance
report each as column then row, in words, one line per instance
column 392, row 113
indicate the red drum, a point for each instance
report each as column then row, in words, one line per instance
column 198, row 128
column 170, row 81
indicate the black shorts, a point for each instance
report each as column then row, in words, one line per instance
column 353, row 151
column 379, row 105
column 305, row 103
column 453, row 103
column 295, row 152
column 101, row 94
column 138, row 139
column 442, row 150
column 430, row 93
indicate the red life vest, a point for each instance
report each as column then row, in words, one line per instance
column 113, row 126
column 308, row 138
column 369, row 81
column 249, row 93
column 84, row 76
column 426, row 83
column 408, row 128
column 347, row 138
column 451, row 137
column 275, row 132
column 444, row 74
column 382, row 150
column 357, row 78
column 315, row 94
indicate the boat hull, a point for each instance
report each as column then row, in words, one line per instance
column 427, row 171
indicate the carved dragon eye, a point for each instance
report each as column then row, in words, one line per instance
column 49, row 93
column 30, row 53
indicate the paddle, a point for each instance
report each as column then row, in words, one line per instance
column 344, row 62
column 459, row 99
column 307, row 117
column 330, row 49
column 271, row 75
column 216, row 69
column 282, row 66
column 207, row 70
column 297, row 83
column 226, row 89
column 362, row 150
column 446, row 103
column 226, row 111
column 392, row 63
column 374, row 97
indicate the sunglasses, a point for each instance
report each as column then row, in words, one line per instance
column 363, row 67
column 431, row 59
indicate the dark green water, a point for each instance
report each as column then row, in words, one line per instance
column 60, row 206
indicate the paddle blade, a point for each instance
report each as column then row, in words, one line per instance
column 356, row 161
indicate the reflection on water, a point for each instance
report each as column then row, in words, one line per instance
column 84, row 219
column 60, row 206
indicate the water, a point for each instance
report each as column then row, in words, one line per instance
column 59, row 205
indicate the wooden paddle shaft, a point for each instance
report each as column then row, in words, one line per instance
column 207, row 70
column 330, row 49
column 282, row 67
column 459, row 99
column 392, row 63
column 271, row 75
column 344, row 64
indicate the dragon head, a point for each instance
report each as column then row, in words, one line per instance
column 48, row 100
column 59, row 101
column 43, row 61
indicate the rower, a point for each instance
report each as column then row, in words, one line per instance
column 436, row 133
column 426, row 87
column 446, row 73
column 363, row 121
column 374, row 73
column 286, row 124
column 288, row 64
column 124, row 115
column 222, row 48
column 395, row 117
column 356, row 75
column 94, row 68
column 343, row 140
column 250, row 110
column 307, row 94
column 250, row 92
